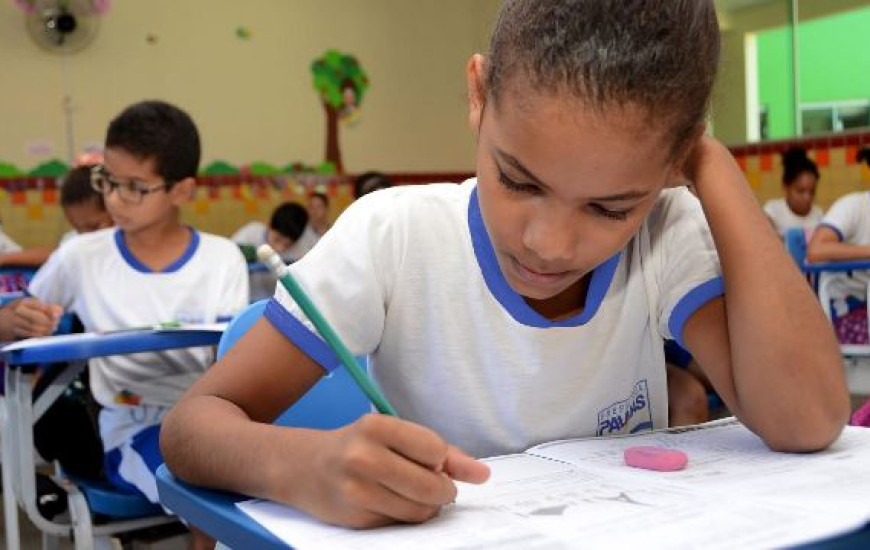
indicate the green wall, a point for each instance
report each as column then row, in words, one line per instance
column 834, row 65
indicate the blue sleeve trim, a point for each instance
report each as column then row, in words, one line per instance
column 301, row 336
column 835, row 229
column 690, row 303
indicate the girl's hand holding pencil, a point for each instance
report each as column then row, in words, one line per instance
column 382, row 470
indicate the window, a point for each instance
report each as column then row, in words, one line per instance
column 819, row 118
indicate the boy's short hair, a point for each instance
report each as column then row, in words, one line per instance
column 160, row 131
column 289, row 219
column 367, row 182
column 77, row 189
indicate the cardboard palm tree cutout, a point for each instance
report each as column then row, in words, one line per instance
column 341, row 83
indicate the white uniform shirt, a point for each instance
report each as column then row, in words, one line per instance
column 408, row 275
column 784, row 218
column 849, row 217
column 97, row 277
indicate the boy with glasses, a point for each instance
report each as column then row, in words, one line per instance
column 149, row 269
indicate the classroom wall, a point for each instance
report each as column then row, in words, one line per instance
column 729, row 105
column 253, row 98
column 833, row 61
column 835, row 155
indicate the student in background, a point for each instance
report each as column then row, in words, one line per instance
column 800, row 177
column 367, row 182
column 83, row 208
column 150, row 269
column 844, row 234
column 531, row 303
column 318, row 213
column 288, row 232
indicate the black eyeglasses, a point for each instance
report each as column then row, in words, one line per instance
column 131, row 191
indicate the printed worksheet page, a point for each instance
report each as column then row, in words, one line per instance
column 734, row 493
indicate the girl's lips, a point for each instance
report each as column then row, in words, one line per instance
column 536, row 277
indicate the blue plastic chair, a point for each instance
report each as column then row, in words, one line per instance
column 333, row 402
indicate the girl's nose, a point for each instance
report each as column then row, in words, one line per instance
column 552, row 236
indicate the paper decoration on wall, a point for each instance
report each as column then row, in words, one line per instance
column 39, row 148
column 9, row 170
column 53, row 168
column 341, row 84
column 220, row 168
column 243, row 33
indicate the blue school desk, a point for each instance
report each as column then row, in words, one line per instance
column 20, row 412
column 216, row 513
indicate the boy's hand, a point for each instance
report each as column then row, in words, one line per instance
column 382, row 470
column 34, row 318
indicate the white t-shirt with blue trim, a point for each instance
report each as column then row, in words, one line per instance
column 784, row 218
column 849, row 217
column 408, row 275
column 97, row 277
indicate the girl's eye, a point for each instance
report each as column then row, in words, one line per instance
column 515, row 186
column 619, row 215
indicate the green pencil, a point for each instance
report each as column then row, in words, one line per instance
column 271, row 258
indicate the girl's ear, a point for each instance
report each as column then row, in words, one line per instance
column 182, row 192
column 685, row 165
column 476, row 96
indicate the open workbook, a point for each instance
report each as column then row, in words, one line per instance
column 734, row 493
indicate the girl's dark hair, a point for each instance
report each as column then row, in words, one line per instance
column 76, row 188
column 863, row 155
column 659, row 55
column 796, row 162
column 370, row 181
column 289, row 219
column 160, row 131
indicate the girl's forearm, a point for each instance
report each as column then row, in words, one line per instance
column 836, row 251
column 209, row 441
column 786, row 365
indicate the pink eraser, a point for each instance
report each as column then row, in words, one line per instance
column 660, row 459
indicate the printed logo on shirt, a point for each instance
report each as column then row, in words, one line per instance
column 629, row 416
column 125, row 397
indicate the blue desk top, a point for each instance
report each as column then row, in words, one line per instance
column 78, row 347
column 215, row 513
column 852, row 265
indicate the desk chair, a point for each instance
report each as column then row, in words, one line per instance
column 333, row 402
column 856, row 357
column 86, row 500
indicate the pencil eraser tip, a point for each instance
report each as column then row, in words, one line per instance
column 660, row 459
column 264, row 252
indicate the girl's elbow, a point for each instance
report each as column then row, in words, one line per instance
column 809, row 433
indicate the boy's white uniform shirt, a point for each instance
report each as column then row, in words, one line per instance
column 783, row 217
column 408, row 275
column 256, row 233
column 97, row 277
column 849, row 217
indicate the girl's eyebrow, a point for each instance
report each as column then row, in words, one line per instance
column 517, row 165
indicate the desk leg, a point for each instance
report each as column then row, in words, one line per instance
column 7, row 462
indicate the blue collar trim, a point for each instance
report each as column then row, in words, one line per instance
column 513, row 302
column 134, row 262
